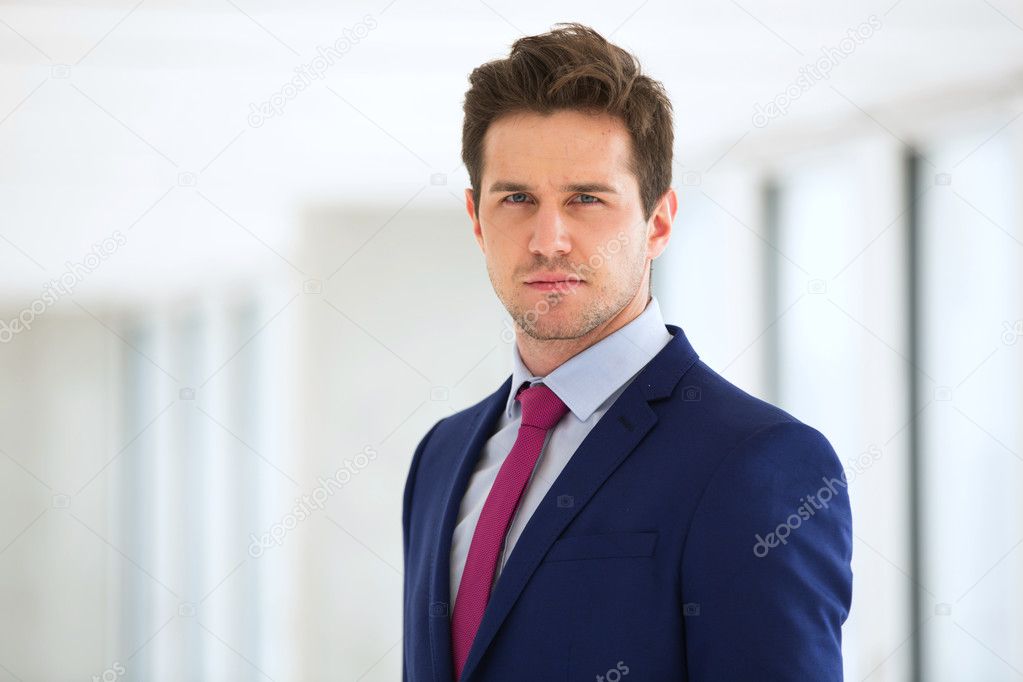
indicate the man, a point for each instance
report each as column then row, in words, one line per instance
column 615, row 509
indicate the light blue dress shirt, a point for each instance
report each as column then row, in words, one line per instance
column 588, row 383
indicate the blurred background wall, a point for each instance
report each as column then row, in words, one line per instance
column 230, row 308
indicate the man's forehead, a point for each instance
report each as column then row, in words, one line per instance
column 565, row 160
column 556, row 136
column 570, row 151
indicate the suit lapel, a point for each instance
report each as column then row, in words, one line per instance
column 608, row 444
column 480, row 428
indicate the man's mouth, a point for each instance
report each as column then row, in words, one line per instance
column 554, row 278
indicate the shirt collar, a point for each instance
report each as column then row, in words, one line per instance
column 587, row 379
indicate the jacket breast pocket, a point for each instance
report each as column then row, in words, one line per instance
column 603, row 546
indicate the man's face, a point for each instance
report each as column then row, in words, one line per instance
column 557, row 202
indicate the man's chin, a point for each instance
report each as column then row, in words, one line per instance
column 554, row 324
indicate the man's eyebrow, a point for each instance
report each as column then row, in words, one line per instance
column 508, row 186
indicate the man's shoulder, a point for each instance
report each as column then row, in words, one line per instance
column 717, row 418
column 721, row 406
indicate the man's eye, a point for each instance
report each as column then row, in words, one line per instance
column 522, row 197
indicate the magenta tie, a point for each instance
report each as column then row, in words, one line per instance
column 541, row 410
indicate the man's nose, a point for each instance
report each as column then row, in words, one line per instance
column 550, row 232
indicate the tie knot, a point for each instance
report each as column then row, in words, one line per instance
column 541, row 407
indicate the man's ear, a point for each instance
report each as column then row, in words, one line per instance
column 660, row 223
column 477, row 229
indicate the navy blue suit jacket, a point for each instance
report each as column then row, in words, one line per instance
column 698, row 533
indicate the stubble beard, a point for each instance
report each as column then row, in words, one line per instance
column 548, row 320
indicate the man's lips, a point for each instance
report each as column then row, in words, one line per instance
column 552, row 277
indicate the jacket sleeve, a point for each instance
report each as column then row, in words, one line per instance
column 766, row 569
column 406, row 510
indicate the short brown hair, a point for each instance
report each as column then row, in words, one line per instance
column 576, row 68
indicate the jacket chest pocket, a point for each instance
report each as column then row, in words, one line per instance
column 603, row 546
